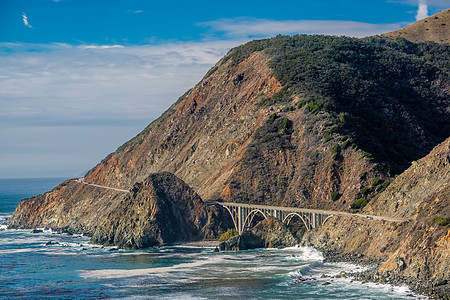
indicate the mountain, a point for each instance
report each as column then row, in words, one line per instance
column 415, row 252
column 435, row 28
column 303, row 121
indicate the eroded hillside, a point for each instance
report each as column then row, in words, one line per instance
column 309, row 121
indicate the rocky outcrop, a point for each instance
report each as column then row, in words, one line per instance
column 270, row 233
column 416, row 251
column 161, row 209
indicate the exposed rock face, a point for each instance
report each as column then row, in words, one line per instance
column 270, row 233
column 302, row 121
column 435, row 28
column 417, row 250
column 162, row 209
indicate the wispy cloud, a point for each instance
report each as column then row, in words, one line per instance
column 101, row 46
column 258, row 28
column 422, row 11
column 25, row 20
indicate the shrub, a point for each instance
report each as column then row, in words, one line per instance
column 332, row 130
column 360, row 203
column 376, row 181
column 336, row 150
column 345, row 144
column 314, row 107
column 230, row 233
column 287, row 125
column 362, row 176
column 335, row 195
column 441, row 221
column 366, row 191
column 301, row 103
column 273, row 116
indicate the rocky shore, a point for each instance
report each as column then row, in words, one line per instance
column 434, row 290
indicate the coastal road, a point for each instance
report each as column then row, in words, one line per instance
column 291, row 209
column 81, row 180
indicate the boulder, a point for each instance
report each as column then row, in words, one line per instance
column 270, row 233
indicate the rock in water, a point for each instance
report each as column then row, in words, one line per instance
column 162, row 209
column 270, row 233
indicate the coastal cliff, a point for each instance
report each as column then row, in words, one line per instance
column 416, row 251
column 303, row 121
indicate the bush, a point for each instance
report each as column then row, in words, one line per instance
column 335, row 195
column 336, row 150
column 273, row 116
column 314, row 107
column 301, row 103
column 360, row 203
column 230, row 233
column 376, row 181
column 287, row 125
column 345, row 144
column 441, row 221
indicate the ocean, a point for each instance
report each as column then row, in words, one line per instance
column 48, row 265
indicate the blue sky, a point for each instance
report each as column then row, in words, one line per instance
column 78, row 78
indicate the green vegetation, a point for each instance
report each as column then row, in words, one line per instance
column 230, row 233
column 441, row 221
column 335, row 195
column 301, row 103
column 314, row 107
column 345, row 144
column 336, row 151
column 376, row 181
column 360, row 203
column 273, row 116
column 381, row 91
column 287, row 125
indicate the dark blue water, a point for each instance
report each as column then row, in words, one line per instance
column 71, row 268
column 13, row 190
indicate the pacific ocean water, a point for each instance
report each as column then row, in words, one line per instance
column 71, row 268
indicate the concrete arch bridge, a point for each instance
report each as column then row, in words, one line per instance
column 243, row 214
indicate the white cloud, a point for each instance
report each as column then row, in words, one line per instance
column 25, row 20
column 80, row 96
column 101, row 46
column 422, row 11
column 256, row 28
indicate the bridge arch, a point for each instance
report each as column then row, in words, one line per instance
column 289, row 217
column 251, row 215
column 236, row 226
column 323, row 222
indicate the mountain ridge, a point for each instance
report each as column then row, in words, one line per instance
column 435, row 28
column 303, row 121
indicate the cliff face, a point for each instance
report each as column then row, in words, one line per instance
column 308, row 121
column 162, row 209
column 159, row 210
column 415, row 250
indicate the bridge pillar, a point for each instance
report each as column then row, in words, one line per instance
column 314, row 224
column 240, row 220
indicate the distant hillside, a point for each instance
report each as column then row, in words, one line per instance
column 435, row 28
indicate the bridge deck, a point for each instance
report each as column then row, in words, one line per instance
column 309, row 210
